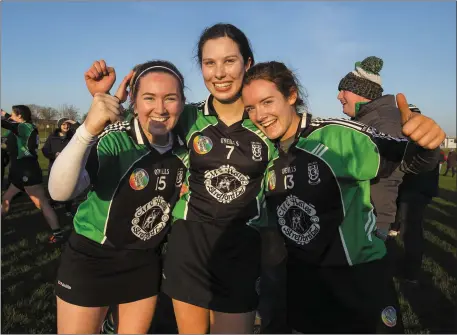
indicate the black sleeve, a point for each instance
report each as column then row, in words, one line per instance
column 402, row 152
column 418, row 159
column 10, row 125
column 74, row 126
column 46, row 150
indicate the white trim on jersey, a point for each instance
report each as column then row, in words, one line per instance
column 206, row 110
column 117, row 126
column 139, row 138
column 344, row 122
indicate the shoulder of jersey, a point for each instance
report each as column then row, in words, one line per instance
column 119, row 126
column 355, row 125
column 198, row 105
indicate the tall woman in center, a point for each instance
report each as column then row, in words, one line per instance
column 213, row 256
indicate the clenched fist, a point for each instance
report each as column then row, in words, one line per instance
column 105, row 109
column 100, row 77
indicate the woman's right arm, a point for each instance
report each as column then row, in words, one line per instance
column 69, row 176
column 10, row 125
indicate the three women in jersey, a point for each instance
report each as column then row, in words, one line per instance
column 225, row 55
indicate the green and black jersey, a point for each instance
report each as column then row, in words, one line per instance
column 23, row 139
column 227, row 168
column 319, row 191
column 134, row 188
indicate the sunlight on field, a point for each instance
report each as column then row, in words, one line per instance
column 29, row 266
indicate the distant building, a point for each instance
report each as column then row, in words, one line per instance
column 449, row 143
column 42, row 124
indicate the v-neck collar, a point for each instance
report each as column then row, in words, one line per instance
column 140, row 137
column 301, row 129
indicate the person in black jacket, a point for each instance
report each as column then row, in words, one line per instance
column 414, row 195
column 54, row 145
column 360, row 93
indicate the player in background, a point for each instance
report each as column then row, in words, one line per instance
column 25, row 173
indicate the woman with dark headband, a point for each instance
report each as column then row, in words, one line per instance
column 136, row 170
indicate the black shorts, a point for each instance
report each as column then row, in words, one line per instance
column 213, row 266
column 356, row 299
column 25, row 172
column 95, row 275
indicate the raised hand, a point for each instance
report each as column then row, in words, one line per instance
column 419, row 128
column 122, row 92
column 104, row 110
column 100, row 78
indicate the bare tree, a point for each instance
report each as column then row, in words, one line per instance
column 48, row 113
column 69, row 111
column 35, row 109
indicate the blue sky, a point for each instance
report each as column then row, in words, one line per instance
column 47, row 46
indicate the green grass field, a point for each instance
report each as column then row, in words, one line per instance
column 29, row 267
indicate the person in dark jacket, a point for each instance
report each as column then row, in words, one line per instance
column 54, row 145
column 451, row 162
column 360, row 93
column 414, row 195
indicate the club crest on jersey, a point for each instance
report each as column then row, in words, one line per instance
column 139, row 179
column 202, row 144
column 179, row 177
column 313, row 173
column 298, row 220
column 271, row 180
column 225, row 184
column 256, row 151
column 389, row 316
column 184, row 189
column 151, row 218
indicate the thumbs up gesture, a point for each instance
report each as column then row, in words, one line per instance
column 419, row 128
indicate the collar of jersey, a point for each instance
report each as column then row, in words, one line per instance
column 141, row 138
column 304, row 124
column 209, row 110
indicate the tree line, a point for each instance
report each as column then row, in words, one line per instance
column 45, row 113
